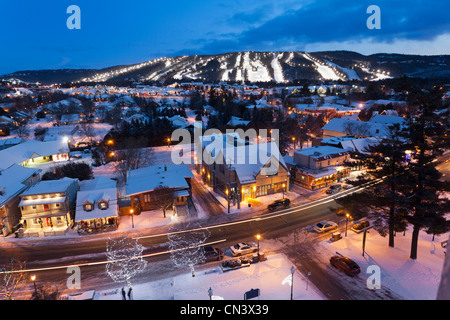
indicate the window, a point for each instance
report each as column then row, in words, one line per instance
column 88, row 207
column 102, row 205
column 146, row 197
column 46, row 207
column 59, row 221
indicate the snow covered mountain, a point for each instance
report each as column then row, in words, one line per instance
column 254, row 66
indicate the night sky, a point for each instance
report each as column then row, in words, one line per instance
column 35, row 35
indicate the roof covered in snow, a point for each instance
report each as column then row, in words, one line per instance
column 149, row 178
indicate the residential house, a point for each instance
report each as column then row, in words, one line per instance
column 13, row 181
column 68, row 119
column 241, row 171
column 141, row 185
column 97, row 208
column 339, row 127
column 318, row 166
column 33, row 152
column 47, row 208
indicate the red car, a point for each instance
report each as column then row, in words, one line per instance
column 345, row 264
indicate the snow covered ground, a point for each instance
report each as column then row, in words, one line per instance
column 410, row 279
column 272, row 277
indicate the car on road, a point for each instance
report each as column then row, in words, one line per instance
column 345, row 264
column 243, row 248
column 284, row 203
column 213, row 254
column 335, row 188
column 325, row 226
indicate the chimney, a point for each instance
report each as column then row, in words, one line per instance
column 165, row 167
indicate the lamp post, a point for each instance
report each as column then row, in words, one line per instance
column 284, row 186
column 132, row 217
column 346, row 221
column 293, row 139
column 258, row 236
column 33, row 278
column 292, row 281
column 168, row 142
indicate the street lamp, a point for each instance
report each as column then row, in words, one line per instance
column 33, row 278
column 346, row 221
column 132, row 218
column 168, row 142
column 292, row 281
column 284, row 186
column 258, row 236
column 293, row 139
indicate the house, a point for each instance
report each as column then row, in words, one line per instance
column 241, row 171
column 70, row 119
column 97, row 208
column 236, row 121
column 47, row 208
column 318, row 166
column 33, row 152
column 13, row 181
column 142, row 183
column 339, row 127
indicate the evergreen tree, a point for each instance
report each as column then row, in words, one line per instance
column 424, row 190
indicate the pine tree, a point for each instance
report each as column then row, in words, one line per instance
column 426, row 205
column 385, row 166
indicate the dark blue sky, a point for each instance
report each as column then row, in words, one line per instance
column 35, row 35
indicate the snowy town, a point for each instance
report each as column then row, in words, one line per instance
column 96, row 164
column 224, row 158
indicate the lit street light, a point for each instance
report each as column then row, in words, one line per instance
column 132, row 218
column 33, row 278
column 258, row 236
column 346, row 221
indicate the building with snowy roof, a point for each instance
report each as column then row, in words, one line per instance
column 13, row 181
column 244, row 171
column 318, row 166
column 47, row 208
column 97, row 208
column 33, row 152
column 142, row 184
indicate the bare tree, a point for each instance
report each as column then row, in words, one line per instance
column 163, row 198
column 22, row 129
column 124, row 259
column 12, row 277
column 186, row 245
column 132, row 158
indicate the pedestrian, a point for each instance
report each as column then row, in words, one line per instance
column 129, row 294
column 124, row 297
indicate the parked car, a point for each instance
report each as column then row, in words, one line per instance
column 359, row 226
column 334, row 189
column 213, row 254
column 345, row 264
column 325, row 226
column 284, row 203
column 243, row 248
column 76, row 155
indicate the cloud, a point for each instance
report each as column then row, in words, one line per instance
column 334, row 22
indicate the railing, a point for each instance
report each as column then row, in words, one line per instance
column 55, row 233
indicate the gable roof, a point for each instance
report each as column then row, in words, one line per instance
column 149, row 178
